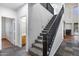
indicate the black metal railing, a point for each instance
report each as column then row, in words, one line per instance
column 49, row 37
column 48, row 7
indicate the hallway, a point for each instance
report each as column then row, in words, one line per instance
column 69, row 47
column 14, row 51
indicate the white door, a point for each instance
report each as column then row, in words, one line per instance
column 12, row 31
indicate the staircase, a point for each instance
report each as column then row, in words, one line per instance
column 43, row 43
column 37, row 47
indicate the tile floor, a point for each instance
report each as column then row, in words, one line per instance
column 14, row 51
column 69, row 47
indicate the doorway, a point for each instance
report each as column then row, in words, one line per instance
column 8, row 32
column 76, row 28
column 23, row 30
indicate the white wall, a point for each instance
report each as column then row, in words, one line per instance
column 57, row 7
column 68, row 26
column 71, row 16
column 23, row 25
column 38, row 18
column 0, row 34
column 6, row 12
column 68, row 14
column 22, row 12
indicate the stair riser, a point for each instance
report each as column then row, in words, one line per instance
column 40, row 37
column 44, row 31
column 37, row 47
column 45, row 28
column 41, row 34
column 36, row 41
column 33, row 54
column 49, row 24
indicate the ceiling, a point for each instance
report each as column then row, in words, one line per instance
column 13, row 6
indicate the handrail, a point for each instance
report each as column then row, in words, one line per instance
column 46, row 6
column 50, row 8
column 55, row 19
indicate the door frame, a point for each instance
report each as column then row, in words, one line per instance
column 26, row 32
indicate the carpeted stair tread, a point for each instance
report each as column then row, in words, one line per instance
column 38, row 46
column 39, row 41
column 35, row 52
